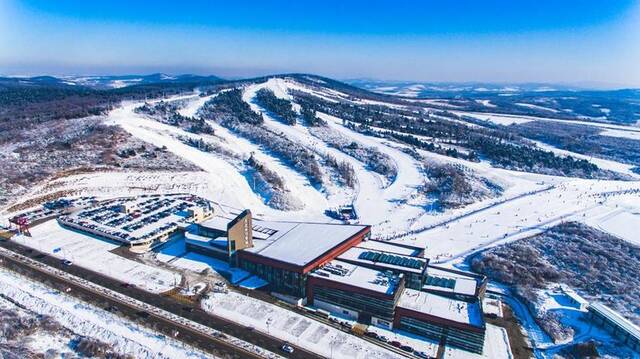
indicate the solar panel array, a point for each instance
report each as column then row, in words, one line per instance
column 441, row 282
column 265, row 230
column 391, row 259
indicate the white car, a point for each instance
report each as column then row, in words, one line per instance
column 287, row 348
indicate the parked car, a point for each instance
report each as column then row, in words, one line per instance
column 142, row 314
column 67, row 262
column 383, row 338
column 371, row 334
column 396, row 344
column 407, row 348
column 422, row 355
column 287, row 348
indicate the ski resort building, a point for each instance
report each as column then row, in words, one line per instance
column 457, row 322
column 339, row 269
column 454, row 284
column 414, row 269
column 359, row 293
column 282, row 253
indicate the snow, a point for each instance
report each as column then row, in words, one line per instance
column 357, row 276
column 176, row 255
column 600, row 162
column 387, row 247
column 557, row 301
column 574, row 199
column 536, row 107
column 316, row 238
column 225, row 183
column 377, row 205
column 353, row 256
column 292, row 327
column 496, row 346
column 486, row 103
column 632, row 135
column 528, row 205
column 442, row 307
column 95, row 254
column 87, row 320
column 618, row 215
column 498, row 119
column 417, row 342
column 120, row 184
column 492, row 305
column 506, row 119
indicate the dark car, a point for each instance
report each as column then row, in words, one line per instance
column 142, row 314
column 187, row 309
column 396, row 343
column 371, row 334
column 407, row 348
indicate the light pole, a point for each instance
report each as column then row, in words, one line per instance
column 333, row 338
column 268, row 322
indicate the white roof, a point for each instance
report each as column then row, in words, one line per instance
column 356, row 276
column 387, row 247
column 615, row 317
column 217, row 222
column 283, row 241
column 441, row 307
column 205, row 241
column 465, row 285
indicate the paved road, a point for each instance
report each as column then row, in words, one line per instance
column 193, row 313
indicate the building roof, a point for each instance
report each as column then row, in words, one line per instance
column 616, row 318
column 391, row 247
column 442, row 307
column 357, row 276
column 384, row 260
column 454, row 282
column 220, row 242
column 297, row 243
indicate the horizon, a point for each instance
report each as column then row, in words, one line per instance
column 570, row 43
column 567, row 86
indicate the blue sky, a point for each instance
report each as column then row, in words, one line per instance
column 577, row 42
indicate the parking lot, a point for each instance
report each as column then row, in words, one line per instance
column 146, row 219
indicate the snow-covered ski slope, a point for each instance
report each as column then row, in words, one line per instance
column 397, row 210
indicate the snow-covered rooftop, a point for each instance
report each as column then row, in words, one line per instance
column 442, row 307
column 283, row 241
column 357, row 276
column 386, row 260
column 220, row 242
column 450, row 281
column 389, row 247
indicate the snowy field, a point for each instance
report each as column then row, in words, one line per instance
column 498, row 119
column 292, row 327
column 111, row 184
column 395, row 210
column 632, row 135
column 579, row 200
column 619, row 215
column 87, row 320
column 94, row 254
